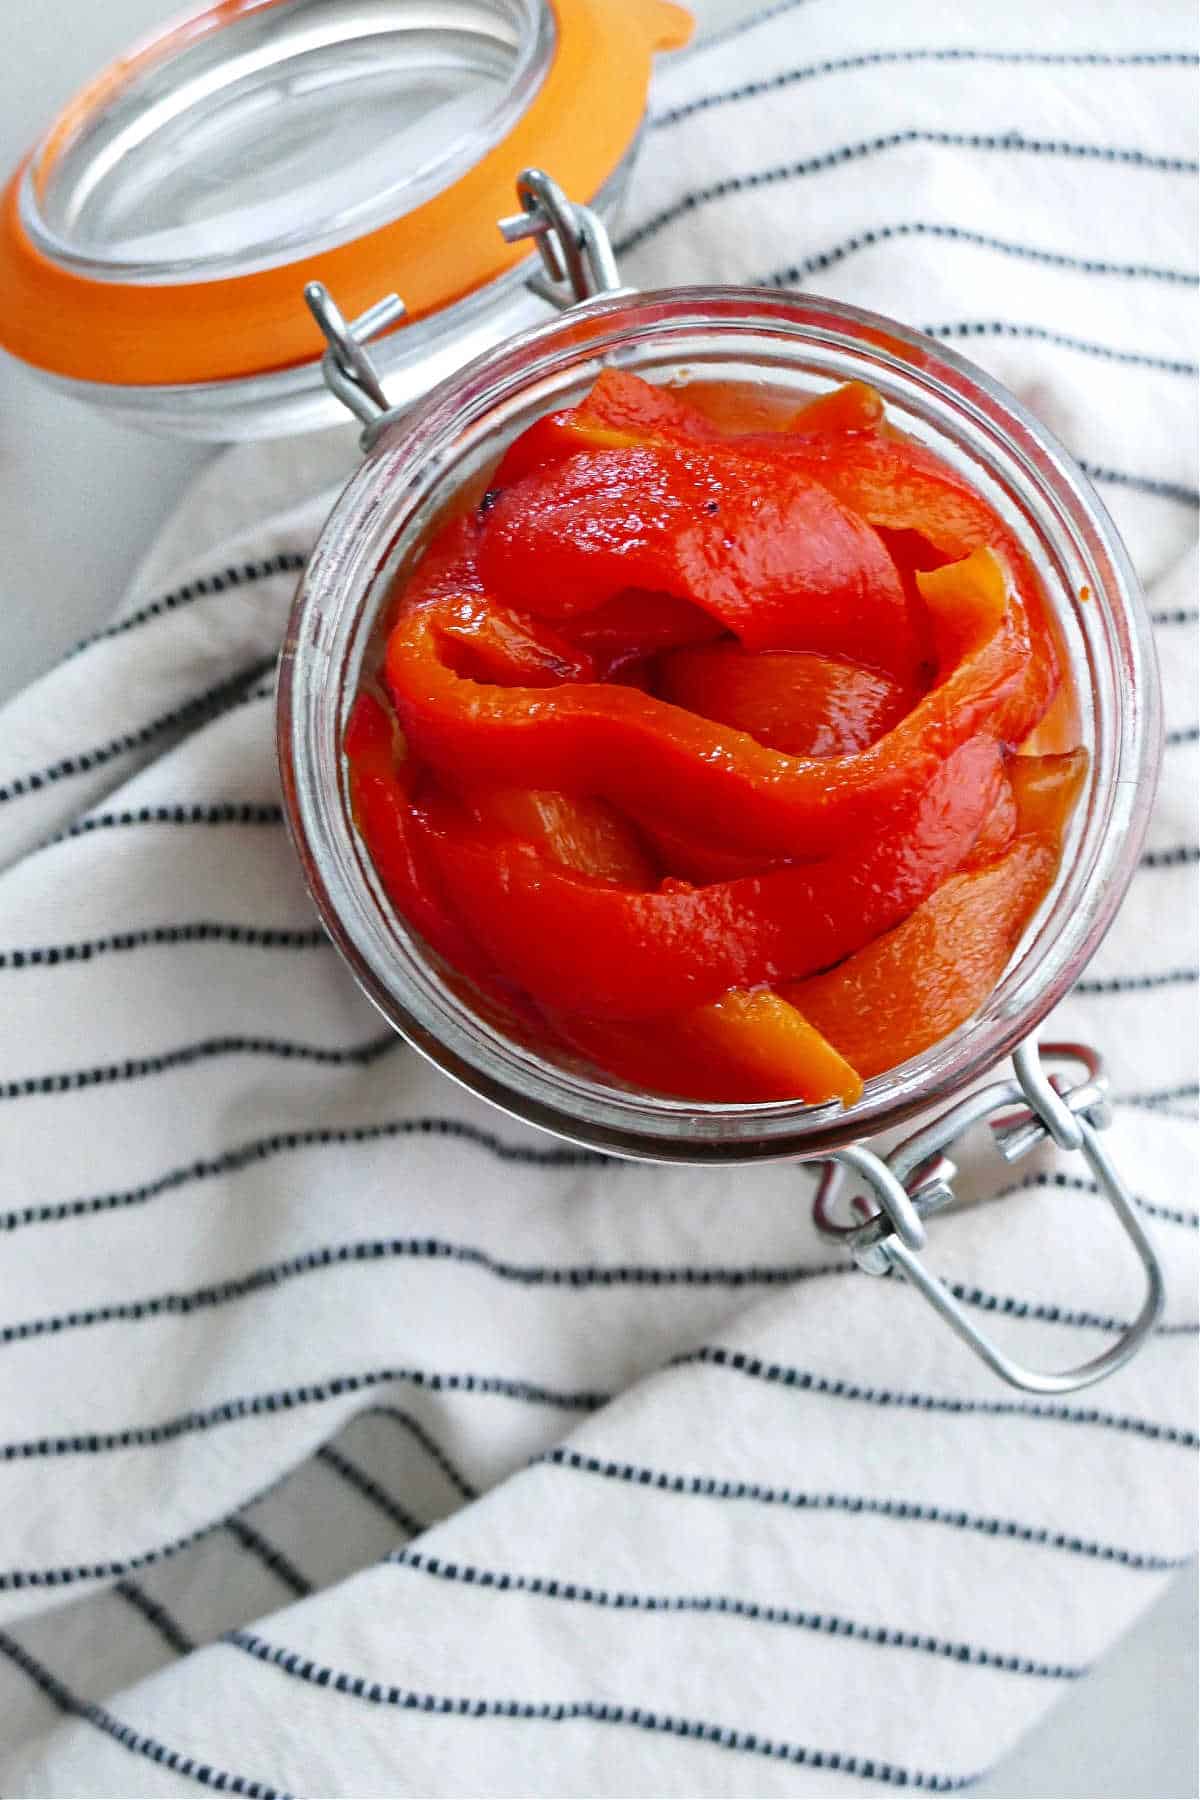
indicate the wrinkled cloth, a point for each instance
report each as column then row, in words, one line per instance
column 357, row 1440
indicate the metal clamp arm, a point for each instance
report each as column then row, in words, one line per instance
column 916, row 1181
column 578, row 263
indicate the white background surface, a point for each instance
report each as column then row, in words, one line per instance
column 80, row 502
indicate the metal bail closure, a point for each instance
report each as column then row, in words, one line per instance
column 348, row 371
column 915, row 1181
column 578, row 263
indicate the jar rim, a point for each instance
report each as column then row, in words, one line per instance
column 402, row 472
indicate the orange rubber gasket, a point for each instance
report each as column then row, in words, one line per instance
column 578, row 126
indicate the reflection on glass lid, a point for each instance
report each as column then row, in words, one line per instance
column 297, row 126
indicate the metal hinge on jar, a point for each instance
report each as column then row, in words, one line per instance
column 578, row 265
column 915, row 1181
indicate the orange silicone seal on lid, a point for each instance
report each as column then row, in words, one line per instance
column 168, row 327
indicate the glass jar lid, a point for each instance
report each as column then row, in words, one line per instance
column 162, row 229
column 295, row 127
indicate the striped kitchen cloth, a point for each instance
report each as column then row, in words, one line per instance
column 356, row 1440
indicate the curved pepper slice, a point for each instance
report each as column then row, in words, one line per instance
column 659, row 762
column 381, row 801
column 581, row 946
column 838, row 440
column 923, row 979
column 635, row 624
column 744, row 1046
column 580, row 834
column 793, row 701
column 781, row 565
column 496, row 645
column 622, row 409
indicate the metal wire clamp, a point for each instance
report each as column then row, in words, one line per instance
column 578, row 263
column 348, row 370
column 915, row 1182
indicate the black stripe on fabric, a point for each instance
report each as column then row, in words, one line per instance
column 872, row 59
column 229, row 1162
column 1136, row 984
column 873, row 236
column 724, row 1605
column 70, row 1574
column 1175, row 615
column 712, row 1487
column 357, row 1477
column 224, row 812
column 271, row 1558
column 198, row 931
column 309, row 1393
column 1047, row 1313
column 136, row 1068
column 197, row 710
column 429, row 1444
column 1141, row 359
column 1155, row 1097
column 740, row 1362
column 574, row 1276
column 1011, row 143
column 597, row 1712
column 1183, row 734
column 156, row 1615
column 206, row 1773
column 285, row 562
column 1178, row 856
column 1081, row 1184
column 1143, row 484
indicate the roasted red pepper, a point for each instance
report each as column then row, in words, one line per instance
column 918, row 982
column 708, row 742
column 581, row 945
column 780, row 564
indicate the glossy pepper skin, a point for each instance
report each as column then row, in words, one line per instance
column 700, row 746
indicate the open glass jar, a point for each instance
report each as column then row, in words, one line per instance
column 796, row 346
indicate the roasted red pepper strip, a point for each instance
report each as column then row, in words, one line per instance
column 584, row 947
column 741, row 1046
column 496, row 645
column 635, row 624
column 924, row 978
column 658, row 762
column 584, row 835
column 781, row 565
column 744, row 1046
column 789, row 700
column 894, row 484
column 620, row 410
column 382, row 807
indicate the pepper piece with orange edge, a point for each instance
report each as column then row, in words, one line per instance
column 918, row 982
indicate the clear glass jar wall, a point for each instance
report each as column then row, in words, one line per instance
column 790, row 344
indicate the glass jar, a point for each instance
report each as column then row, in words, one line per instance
column 795, row 345
column 154, row 243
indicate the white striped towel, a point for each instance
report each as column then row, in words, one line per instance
column 357, row 1441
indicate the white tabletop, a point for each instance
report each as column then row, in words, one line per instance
column 80, row 502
